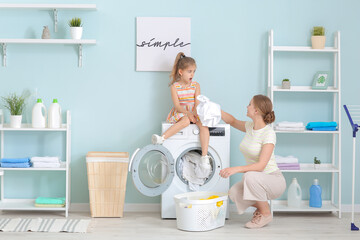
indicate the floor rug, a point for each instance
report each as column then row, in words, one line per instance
column 44, row 225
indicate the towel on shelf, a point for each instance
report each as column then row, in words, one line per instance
column 290, row 168
column 288, row 159
column 288, row 165
column 312, row 125
column 290, row 124
column 324, row 129
column 46, row 200
column 45, row 165
column 15, row 165
column 289, row 128
column 15, row 160
column 50, row 205
column 45, row 159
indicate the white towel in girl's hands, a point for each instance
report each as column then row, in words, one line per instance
column 208, row 112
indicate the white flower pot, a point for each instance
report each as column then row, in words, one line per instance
column 318, row 42
column 15, row 121
column 316, row 166
column 76, row 32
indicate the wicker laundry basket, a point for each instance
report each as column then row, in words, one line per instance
column 107, row 174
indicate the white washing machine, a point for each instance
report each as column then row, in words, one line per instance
column 155, row 169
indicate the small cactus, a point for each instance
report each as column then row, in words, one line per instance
column 318, row 31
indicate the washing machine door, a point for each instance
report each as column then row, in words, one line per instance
column 152, row 169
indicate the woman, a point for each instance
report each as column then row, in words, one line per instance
column 262, row 179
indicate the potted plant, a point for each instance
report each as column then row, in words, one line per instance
column 285, row 83
column 318, row 37
column 317, row 163
column 16, row 105
column 76, row 28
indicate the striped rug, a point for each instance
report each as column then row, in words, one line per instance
column 44, row 225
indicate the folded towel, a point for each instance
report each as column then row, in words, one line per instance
column 45, row 159
column 324, row 129
column 288, row 159
column 45, row 165
column 290, row 124
column 50, row 205
column 15, row 165
column 288, row 165
column 289, row 128
column 290, row 168
column 45, row 200
column 15, row 160
column 311, row 125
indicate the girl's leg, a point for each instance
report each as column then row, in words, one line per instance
column 182, row 123
column 204, row 138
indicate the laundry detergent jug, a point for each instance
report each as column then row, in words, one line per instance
column 54, row 117
column 39, row 115
column 294, row 194
column 315, row 195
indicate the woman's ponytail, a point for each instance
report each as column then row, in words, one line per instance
column 264, row 105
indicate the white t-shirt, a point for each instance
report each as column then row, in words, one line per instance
column 252, row 144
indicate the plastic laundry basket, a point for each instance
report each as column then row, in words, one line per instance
column 193, row 214
column 107, row 174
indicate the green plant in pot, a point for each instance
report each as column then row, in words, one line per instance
column 76, row 28
column 317, row 163
column 16, row 105
column 285, row 84
column 318, row 37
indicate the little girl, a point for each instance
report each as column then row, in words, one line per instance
column 184, row 92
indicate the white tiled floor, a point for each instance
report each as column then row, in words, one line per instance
column 151, row 226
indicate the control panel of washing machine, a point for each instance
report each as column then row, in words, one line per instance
column 217, row 131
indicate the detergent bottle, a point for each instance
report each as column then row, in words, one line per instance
column 54, row 117
column 315, row 195
column 39, row 115
column 294, row 194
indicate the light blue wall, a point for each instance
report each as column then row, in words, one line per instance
column 115, row 108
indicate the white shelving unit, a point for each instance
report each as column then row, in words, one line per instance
column 29, row 204
column 333, row 168
column 48, row 7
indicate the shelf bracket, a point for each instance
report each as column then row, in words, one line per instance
column 80, row 55
column 55, row 19
column 4, row 53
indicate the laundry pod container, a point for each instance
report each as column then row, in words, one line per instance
column 107, row 174
column 200, row 211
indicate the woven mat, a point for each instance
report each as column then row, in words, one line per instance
column 44, row 225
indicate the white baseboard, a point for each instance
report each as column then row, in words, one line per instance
column 156, row 207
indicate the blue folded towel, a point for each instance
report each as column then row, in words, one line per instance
column 15, row 165
column 312, row 125
column 324, row 129
column 15, row 160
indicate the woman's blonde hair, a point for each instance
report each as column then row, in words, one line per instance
column 181, row 62
column 265, row 107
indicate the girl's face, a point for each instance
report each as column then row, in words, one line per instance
column 251, row 110
column 187, row 74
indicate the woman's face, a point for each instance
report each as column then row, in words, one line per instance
column 251, row 110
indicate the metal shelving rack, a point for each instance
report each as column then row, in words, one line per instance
column 333, row 168
column 29, row 204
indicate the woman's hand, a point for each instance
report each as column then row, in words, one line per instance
column 227, row 172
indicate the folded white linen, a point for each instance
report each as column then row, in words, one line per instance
column 288, row 159
column 45, row 165
column 45, row 159
column 290, row 124
column 289, row 128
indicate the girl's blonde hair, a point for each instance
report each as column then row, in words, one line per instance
column 181, row 62
column 264, row 105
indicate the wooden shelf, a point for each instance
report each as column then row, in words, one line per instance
column 303, row 49
column 309, row 167
column 305, row 89
column 281, row 206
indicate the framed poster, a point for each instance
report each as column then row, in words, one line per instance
column 321, row 80
column 159, row 40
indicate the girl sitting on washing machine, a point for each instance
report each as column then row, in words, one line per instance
column 184, row 92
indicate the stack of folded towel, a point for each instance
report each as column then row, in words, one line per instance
column 45, row 162
column 49, row 202
column 321, row 126
column 290, row 126
column 15, row 162
column 287, row 163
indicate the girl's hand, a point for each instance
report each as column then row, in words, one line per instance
column 227, row 172
column 191, row 117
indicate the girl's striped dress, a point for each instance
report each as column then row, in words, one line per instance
column 186, row 97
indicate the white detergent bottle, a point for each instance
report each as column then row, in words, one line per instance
column 54, row 117
column 39, row 115
column 294, row 194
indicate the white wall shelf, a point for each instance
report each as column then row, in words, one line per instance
column 333, row 167
column 28, row 204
